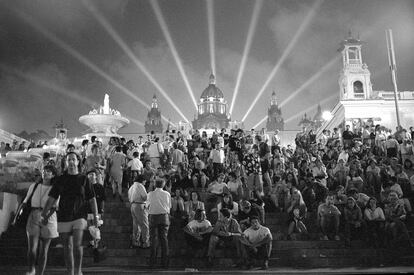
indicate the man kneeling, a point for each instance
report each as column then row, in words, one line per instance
column 226, row 231
column 256, row 243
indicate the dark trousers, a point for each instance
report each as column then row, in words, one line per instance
column 218, row 168
column 262, row 253
column 159, row 225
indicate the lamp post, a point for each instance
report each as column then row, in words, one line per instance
column 393, row 68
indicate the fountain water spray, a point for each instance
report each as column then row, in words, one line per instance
column 166, row 32
column 111, row 31
column 211, row 36
column 286, row 53
column 252, row 27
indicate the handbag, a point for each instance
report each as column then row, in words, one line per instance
column 20, row 220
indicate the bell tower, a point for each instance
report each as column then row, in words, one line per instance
column 355, row 78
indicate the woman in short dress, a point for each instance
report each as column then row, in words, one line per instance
column 40, row 231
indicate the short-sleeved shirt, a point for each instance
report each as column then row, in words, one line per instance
column 197, row 227
column 251, row 164
column 255, row 236
column 75, row 191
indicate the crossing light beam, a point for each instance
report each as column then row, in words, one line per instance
column 286, row 53
column 166, row 32
column 121, row 43
column 211, row 35
column 252, row 27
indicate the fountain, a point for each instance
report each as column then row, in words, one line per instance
column 104, row 122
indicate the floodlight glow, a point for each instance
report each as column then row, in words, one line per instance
column 111, row 31
column 166, row 32
column 260, row 122
column 44, row 83
column 286, row 53
column 211, row 36
column 311, row 108
column 310, row 80
column 74, row 53
column 326, row 115
column 136, row 121
column 252, row 27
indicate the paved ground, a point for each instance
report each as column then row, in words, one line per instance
column 290, row 271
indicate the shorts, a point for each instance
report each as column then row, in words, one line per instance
column 35, row 228
column 68, row 227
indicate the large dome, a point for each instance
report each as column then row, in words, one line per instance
column 212, row 90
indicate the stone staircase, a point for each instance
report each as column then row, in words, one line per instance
column 298, row 254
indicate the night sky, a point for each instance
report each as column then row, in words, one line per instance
column 42, row 43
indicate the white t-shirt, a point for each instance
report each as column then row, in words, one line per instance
column 135, row 164
column 217, row 188
column 40, row 195
column 234, row 185
column 255, row 236
column 196, row 226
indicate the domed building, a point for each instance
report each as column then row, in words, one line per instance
column 153, row 122
column 212, row 109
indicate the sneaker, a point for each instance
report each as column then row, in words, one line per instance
column 324, row 238
column 337, row 238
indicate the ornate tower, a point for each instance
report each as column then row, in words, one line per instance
column 355, row 78
column 317, row 119
column 212, row 109
column 153, row 122
column 274, row 115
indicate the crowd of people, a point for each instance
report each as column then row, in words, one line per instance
column 353, row 184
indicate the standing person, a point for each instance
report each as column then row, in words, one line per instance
column 137, row 196
column 117, row 164
column 36, row 229
column 136, row 167
column 256, row 242
column 75, row 192
column 217, row 157
column 159, row 205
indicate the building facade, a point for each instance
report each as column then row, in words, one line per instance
column 153, row 122
column 359, row 105
column 212, row 111
column 274, row 115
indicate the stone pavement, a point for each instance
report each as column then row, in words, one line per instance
column 291, row 271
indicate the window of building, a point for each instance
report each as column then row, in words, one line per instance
column 358, row 89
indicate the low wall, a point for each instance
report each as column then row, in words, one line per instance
column 9, row 206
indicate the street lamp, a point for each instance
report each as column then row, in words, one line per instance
column 327, row 116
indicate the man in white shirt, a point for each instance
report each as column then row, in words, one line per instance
column 256, row 242
column 217, row 156
column 197, row 232
column 275, row 141
column 137, row 196
column 159, row 205
column 177, row 156
column 155, row 151
column 136, row 167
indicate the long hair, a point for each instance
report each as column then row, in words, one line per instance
column 228, row 205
